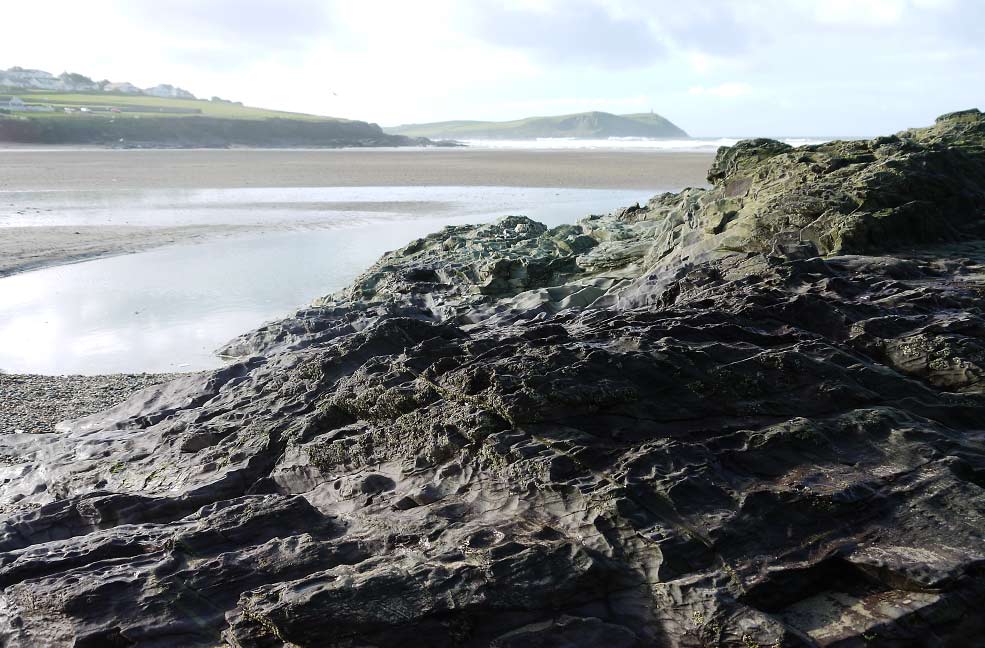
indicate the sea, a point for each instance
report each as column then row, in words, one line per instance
column 686, row 145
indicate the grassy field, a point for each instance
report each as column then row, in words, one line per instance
column 137, row 106
column 120, row 120
column 138, row 121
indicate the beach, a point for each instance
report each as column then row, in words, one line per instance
column 62, row 168
column 35, row 234
column 27, row 170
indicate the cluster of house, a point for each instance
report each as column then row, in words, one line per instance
column 18, row 77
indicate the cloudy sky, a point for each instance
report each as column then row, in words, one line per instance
column 715, row 67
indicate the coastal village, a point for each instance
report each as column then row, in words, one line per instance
column 21, row 82
column 40, row 80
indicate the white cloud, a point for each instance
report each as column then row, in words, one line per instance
column 933, row 4
column 726, row 90
column 856, row 12
column 564, row 105
column 701, row 63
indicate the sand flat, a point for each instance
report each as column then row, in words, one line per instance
column 67, row 169
column 32, row 248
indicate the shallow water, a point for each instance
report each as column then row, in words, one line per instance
column 302, row 205
column 168, row 309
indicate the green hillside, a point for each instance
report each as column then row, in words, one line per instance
column 128, row 105
column 586, row 125
column 128, row 120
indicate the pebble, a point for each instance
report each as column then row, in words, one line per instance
column 33, row 404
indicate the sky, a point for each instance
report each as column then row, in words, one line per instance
column 714, row 67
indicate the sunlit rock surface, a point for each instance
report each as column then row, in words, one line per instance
column 751, row 415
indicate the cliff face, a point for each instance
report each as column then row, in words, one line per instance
column 743, row 416
column 198, row 132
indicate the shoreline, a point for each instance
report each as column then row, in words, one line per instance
column 43, row 400
column 30, row 247
column 27, row 249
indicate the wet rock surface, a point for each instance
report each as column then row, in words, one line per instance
column 744, row 416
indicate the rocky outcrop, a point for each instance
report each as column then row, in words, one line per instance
column 743, row 416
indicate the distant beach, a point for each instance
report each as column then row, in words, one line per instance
column 28, row 242
column 71, row 168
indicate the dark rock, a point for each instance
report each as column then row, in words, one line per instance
column 765, row 435
column 743, row 156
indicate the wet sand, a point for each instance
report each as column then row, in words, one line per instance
column 68, row 169
column 32, row 248
column 56, row 169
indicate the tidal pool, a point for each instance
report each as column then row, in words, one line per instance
column 167, row 309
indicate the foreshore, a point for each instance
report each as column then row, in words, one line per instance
column 35, row 403
column 67, row 169
column 32, row 248
column 63, row 169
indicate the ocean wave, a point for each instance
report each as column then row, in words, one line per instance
column 696, row 144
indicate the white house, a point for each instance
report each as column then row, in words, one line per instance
column 124, row 87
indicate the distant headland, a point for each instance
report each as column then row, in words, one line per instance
column 582, row 125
